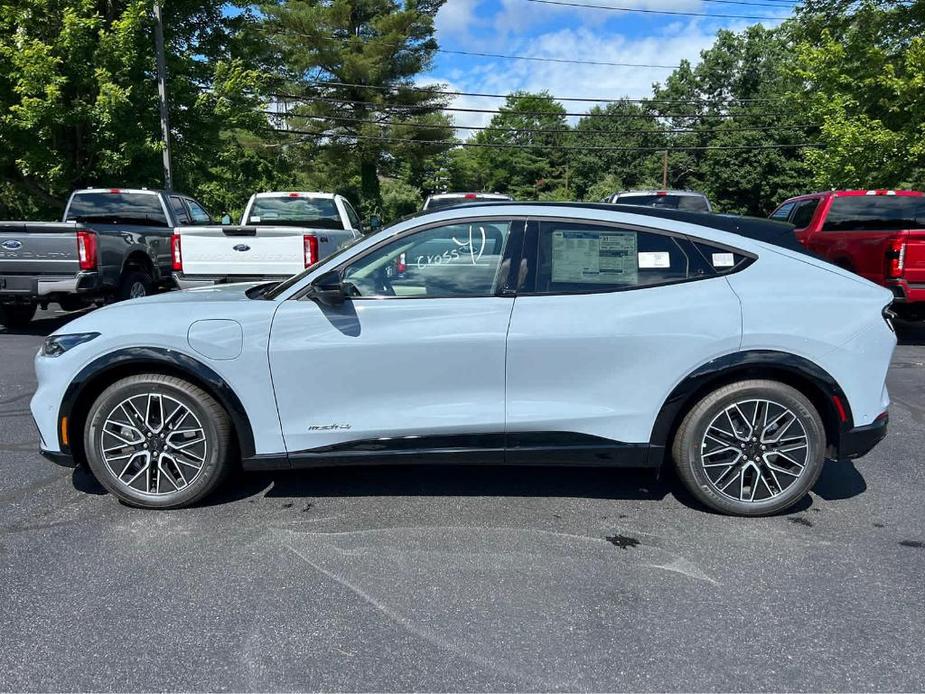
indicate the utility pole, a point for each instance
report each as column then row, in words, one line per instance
column 162, row 91
column 665, row 170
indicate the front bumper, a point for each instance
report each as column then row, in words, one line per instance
column 859, row 441
column 62, row 459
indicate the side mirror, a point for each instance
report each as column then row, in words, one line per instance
column 226, row 219
column 375, row 223
column 328, row 289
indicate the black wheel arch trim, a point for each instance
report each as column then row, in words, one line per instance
column 155, row 357
column 757, row 364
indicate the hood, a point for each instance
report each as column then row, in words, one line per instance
column 218, row 292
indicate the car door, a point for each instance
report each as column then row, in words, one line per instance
column 414, row 360
column 609, row 319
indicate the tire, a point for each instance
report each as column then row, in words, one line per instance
column 134, row 285
column 72, row 303
column 124, row 426
column 16, row 315
column 728, row 470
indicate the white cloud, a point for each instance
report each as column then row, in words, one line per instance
column 577, row 80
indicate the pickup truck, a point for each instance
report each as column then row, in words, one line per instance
column 113, row 243
column 280, row 234
column 879, row 234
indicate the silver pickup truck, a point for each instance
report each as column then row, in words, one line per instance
column 113, row 243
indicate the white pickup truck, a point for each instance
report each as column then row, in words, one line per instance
column 280, row 234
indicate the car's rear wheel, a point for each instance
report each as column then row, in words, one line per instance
column 16, row 315
column 751, row 448
column 157, row 441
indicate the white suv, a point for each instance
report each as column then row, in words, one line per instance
column 507, row 333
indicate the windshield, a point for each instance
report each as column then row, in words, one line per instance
column 876, row 213
column 300, row 211
column 143, row 209
column 285, row 284
column 692, row 203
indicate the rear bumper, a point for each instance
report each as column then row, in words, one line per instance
column 905, row 292
column 13, row 287
column 859, row 441
column 194, row 281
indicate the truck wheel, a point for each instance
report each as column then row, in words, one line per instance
column 158, row 441
column 16, row 315
column 750, row 448
column 72, row 303
column 134, row 285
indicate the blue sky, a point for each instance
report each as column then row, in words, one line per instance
column 519, row 27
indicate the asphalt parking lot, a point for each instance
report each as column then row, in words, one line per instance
column 467, row 579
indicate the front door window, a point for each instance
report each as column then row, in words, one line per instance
column 457, row 260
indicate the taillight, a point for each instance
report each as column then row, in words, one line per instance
column 176, row 253
column 86, row 249
column 400, row 265
column 896, row 258
column 310, row 244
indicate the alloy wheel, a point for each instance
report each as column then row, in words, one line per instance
column 137, row 291
column 153, row 443
column 754, row 450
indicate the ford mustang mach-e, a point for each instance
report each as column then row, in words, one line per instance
column 503, row 333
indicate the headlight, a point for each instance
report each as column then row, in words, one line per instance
column 56, row 345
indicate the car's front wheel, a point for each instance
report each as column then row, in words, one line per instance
column 157, row 441
column 751, row 448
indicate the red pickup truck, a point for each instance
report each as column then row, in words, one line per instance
column 879, row 234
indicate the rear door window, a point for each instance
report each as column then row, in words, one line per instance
column 353, row 216
column 875, row 213
column 804, row 213
column 577, row 257
column 782, row 213
column 179, row 210
column 142, row 209
column 198, row 212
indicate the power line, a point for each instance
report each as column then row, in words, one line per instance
column 499, row 145
column 435, row 90
column 779, row 4
column 411, row 107
column 647, row 11
column 556, row 60
column 290, row 32
column 550, row 131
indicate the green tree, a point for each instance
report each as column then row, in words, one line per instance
column 78, row 101
column 864, row 79
column 734, row 106
column 618, row 125
column 351, row 65
column 520, row 152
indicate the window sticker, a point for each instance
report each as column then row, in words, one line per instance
column 723, row 260
column 603, row 258
column 654, row 259
column 255, row 219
